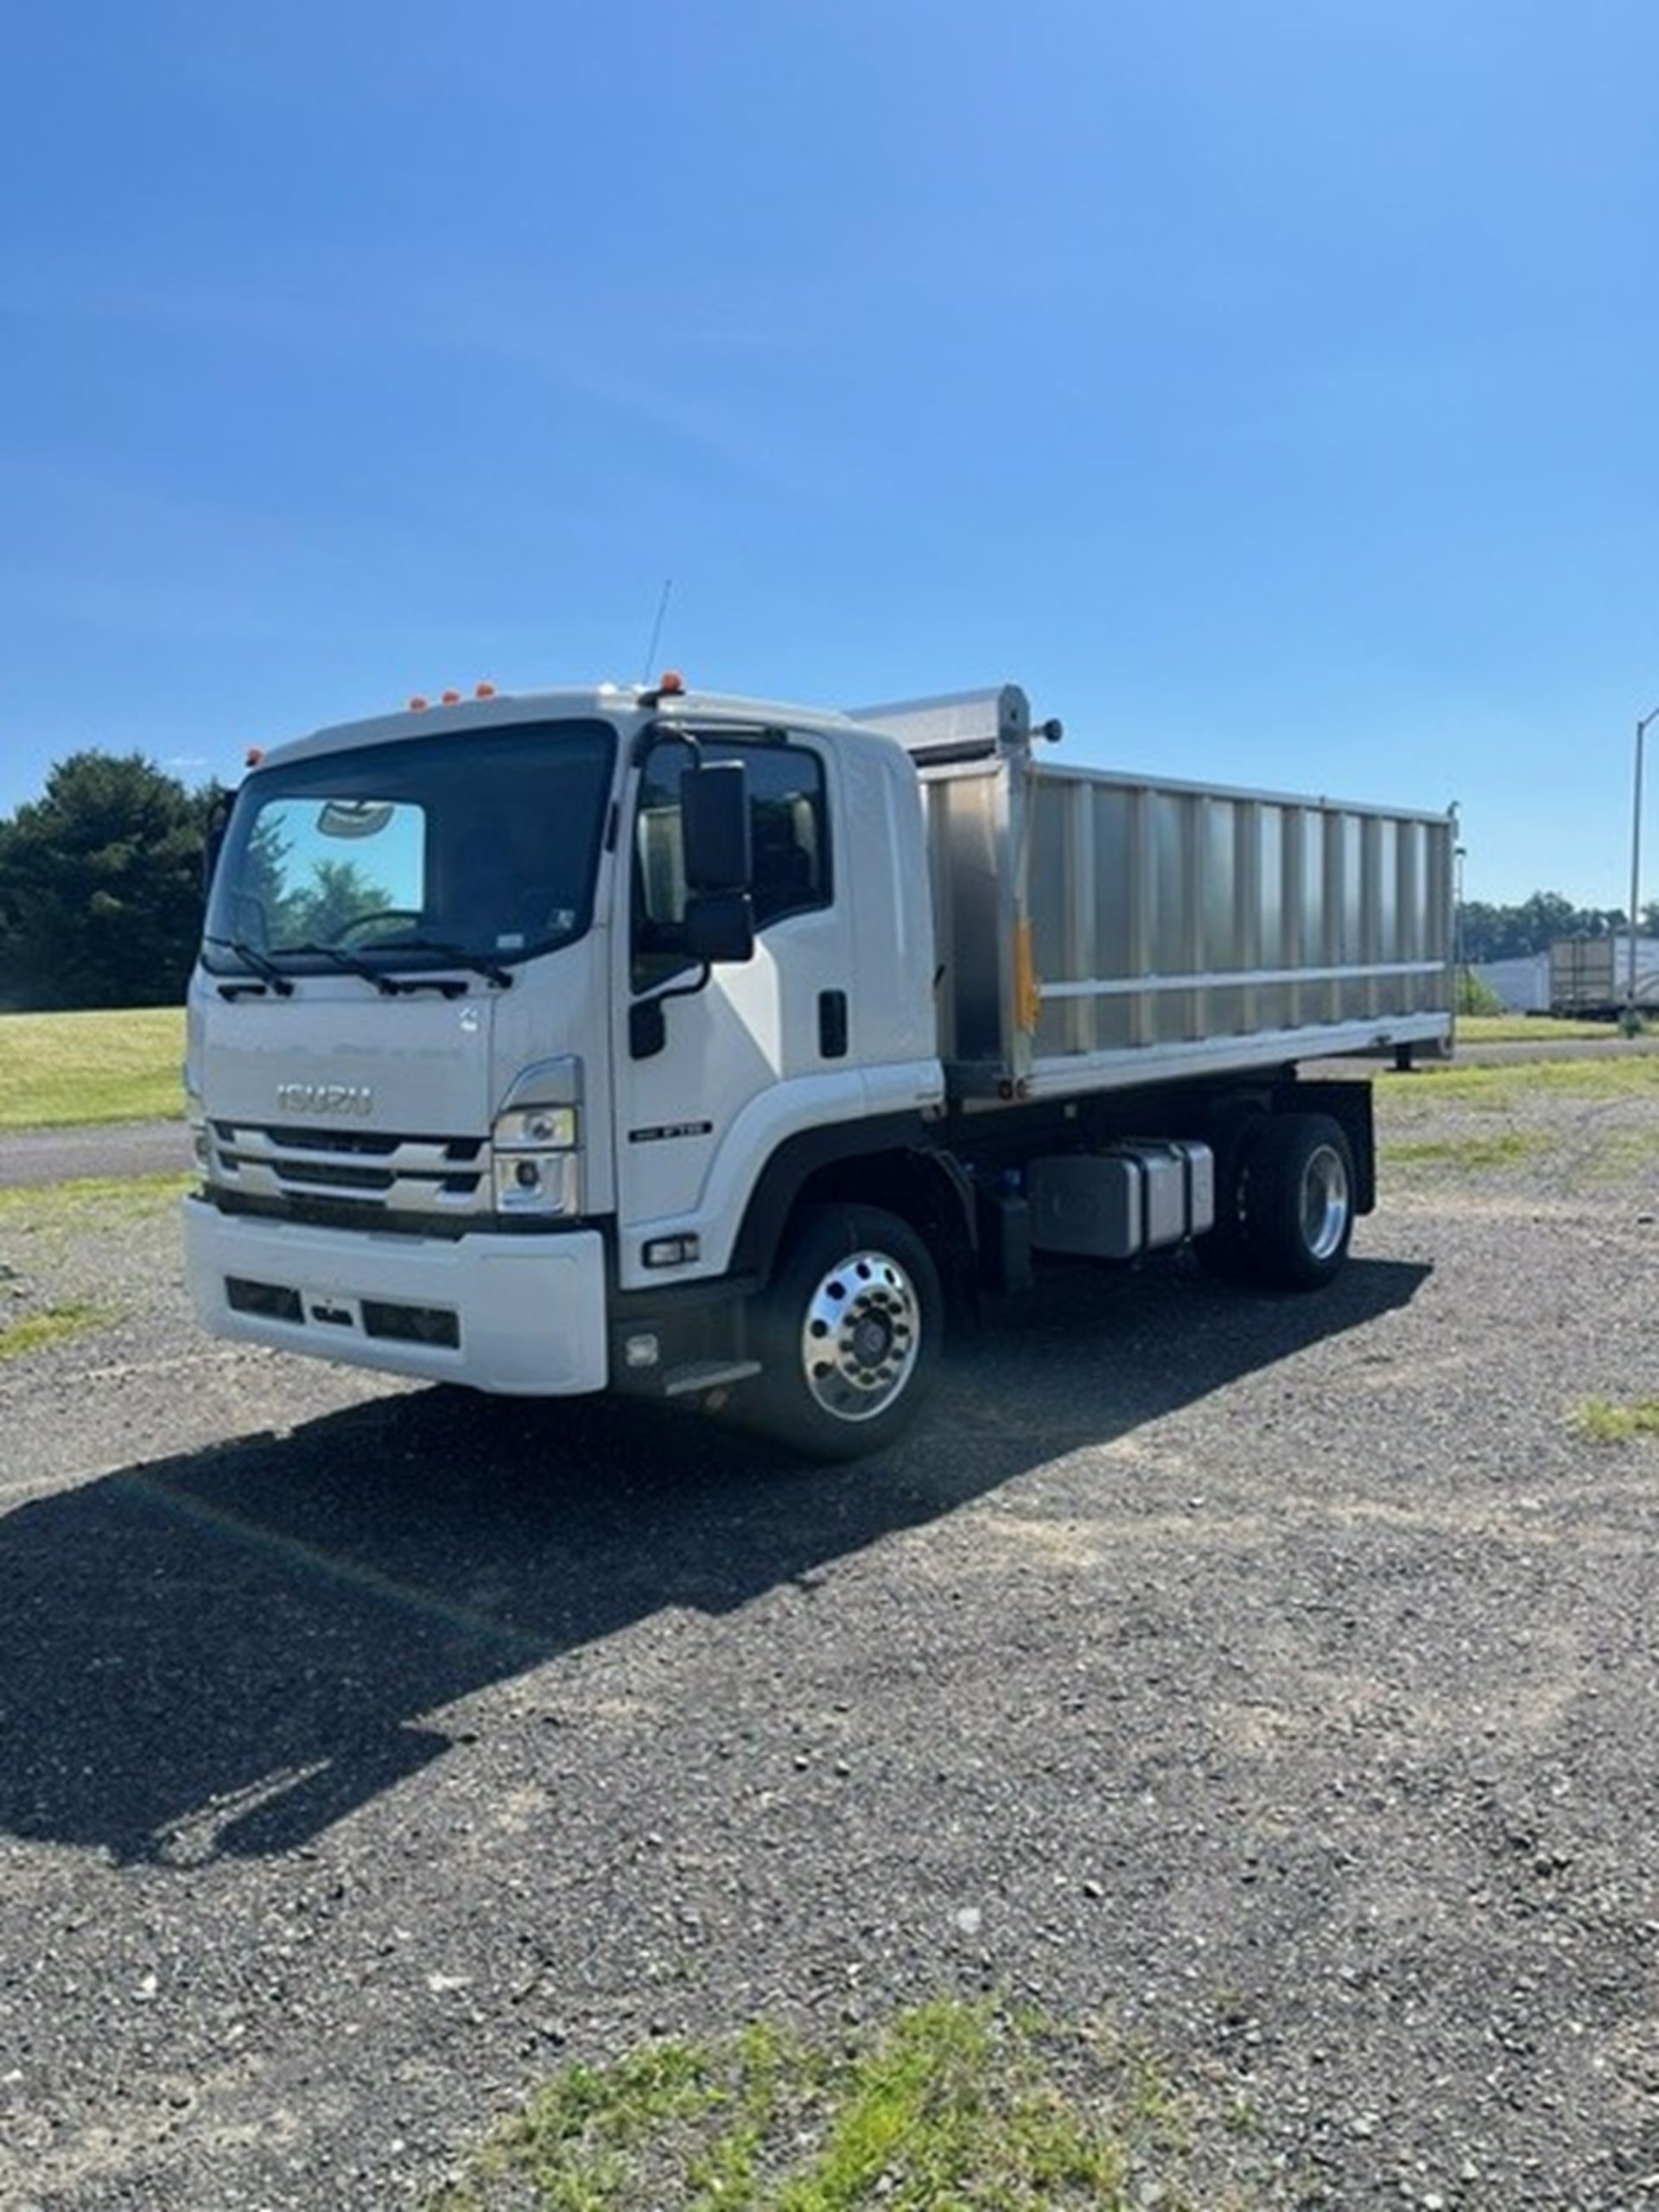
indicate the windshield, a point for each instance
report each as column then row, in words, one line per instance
column 468, row 849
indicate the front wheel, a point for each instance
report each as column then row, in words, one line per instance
column 848, row 1334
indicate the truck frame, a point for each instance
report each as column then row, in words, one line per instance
column 726, row 1051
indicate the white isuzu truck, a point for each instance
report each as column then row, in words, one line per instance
column 645, row 1041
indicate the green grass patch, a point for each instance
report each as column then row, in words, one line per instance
column 91, row 1203
column 1499, row 1149
column 1502, row 1089
column 63, row 1070
column 1606, row 1422
column 955, row 2107
column 1621, row 1154
column 56, row 1325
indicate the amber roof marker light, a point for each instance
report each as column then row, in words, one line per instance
column 671, row 684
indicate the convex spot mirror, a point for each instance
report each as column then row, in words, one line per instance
column 720, row 925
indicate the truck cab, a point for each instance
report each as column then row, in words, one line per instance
column 498, row 1025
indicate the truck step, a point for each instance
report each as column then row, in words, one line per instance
column 707, row 1375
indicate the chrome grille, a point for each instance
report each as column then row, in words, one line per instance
column 356, row 1141
column 307, row 1169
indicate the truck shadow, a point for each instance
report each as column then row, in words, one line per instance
column 226, row 1651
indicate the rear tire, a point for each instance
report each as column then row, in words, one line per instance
column 1295, row 1195
column 849, row 1335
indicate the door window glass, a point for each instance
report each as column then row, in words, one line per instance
column 788, row 838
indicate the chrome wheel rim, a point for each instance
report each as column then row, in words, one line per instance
column 862, row 1336
column 1324, row 1202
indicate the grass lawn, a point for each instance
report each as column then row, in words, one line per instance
column 1499, row 1089
column 1529, row 1029
column 59, row 1070
column 1567, row 1126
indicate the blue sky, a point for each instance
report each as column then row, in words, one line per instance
column 1269, row 388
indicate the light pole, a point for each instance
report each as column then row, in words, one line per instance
column 1463, row 996
column 1636, row 869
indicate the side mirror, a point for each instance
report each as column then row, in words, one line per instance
column 714, row 825
column 720, row 926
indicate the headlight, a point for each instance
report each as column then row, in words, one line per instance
column 195, row 1120
column 539, row 1127
column 538, row 1166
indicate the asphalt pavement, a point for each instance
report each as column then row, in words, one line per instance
column 69, row 1155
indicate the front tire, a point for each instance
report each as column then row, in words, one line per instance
column 848, row 1334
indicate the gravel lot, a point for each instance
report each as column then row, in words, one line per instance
column 1274, row 1676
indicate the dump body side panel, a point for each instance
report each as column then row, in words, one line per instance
column 1099, row 930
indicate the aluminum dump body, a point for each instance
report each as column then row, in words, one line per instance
column 1098, row 930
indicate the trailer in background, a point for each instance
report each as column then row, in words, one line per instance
column 1590, row 976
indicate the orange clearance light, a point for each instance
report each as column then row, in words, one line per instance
column 451, row 699
column 672, row 685
column 253, row 756
column 417, row 705
column 484, row 691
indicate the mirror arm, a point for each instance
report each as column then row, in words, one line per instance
column 699, row 983
column 648, row 1025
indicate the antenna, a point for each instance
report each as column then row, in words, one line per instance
column 656, row 631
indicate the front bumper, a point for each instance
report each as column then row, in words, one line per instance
column 522, row 1315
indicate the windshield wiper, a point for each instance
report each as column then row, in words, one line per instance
column 386, row 985
column 261, row 966
column 454, row 955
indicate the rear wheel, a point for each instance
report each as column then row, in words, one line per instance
column 848, row 1333
column 1295, row 1193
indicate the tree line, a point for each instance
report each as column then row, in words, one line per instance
column 1489, row 932
column 101, row 892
